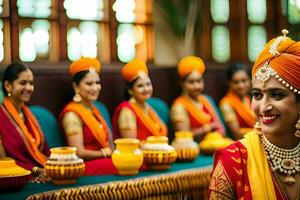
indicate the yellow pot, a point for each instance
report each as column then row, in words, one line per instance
column 127, row 157
column 63, row 166
column 213, row 141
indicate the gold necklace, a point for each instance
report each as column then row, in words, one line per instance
column 284, row 161
column 282, row 186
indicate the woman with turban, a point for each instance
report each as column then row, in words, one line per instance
column 266, row 163
column 135, row 118
column 83, row 124
column 193, row 111
column 236, row 104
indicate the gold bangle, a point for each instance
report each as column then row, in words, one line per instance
column 35, row 171
column 103, row 153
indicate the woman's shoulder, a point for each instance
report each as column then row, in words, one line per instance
column 234, row 154
column 71, row 117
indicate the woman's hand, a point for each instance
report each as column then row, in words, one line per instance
column 106, row 152
column 41, row 176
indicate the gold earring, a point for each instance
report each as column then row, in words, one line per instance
column 257, row 128
column 77, row 98
column 297, row 134
column 9, row 94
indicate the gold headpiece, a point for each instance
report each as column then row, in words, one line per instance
column 265, row 72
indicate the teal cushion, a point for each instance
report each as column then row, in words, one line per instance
column 1, row 93
column 161, row 108
column 49, row 126
column 104, row 112
column 216, row 109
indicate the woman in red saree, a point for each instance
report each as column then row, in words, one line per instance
column 135, row 118
column 193, row 111
column 236, row 104
column 20, row 134
column 265, row 164
column 83, row 124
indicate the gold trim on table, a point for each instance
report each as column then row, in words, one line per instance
column 191, row 183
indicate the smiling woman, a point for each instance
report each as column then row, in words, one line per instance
column 83, row 124
column 20, row 135
column 265, row 164
column 192, row 110
column 135, row 118
column 236, row 104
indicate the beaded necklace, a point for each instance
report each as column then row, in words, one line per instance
column 284, row 161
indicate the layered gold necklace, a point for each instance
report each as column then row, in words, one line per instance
column 284, row 161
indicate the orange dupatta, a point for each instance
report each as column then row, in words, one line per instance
column 32, row 140
column 244, row 111
column 150, row 120
column 196, row 113
column 99, row 130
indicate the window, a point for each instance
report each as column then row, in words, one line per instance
column 83, row 10
column 82, row 40
column 134, row 32
column 257, row 39
column 220, row 44
column 87, row 29
column 34, row 40
column 257, row 36
column 293, row 11
column 257, row 11
column 35, row 29
column 34, row 8
column 220, row 33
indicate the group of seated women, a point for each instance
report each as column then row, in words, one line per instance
column 82, row 123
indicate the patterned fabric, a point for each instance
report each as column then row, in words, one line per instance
column 147, row 124
column 15, row 143
column 220, row 185
column 233, row 173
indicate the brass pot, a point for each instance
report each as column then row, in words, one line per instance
column 63, row 166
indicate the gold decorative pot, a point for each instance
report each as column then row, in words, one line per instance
column 127, row 157
column 12, row 176
column 158, row 154
column 187, row 149
column 63, row 166
column 213, row 141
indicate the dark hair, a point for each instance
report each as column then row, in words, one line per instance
column 236, row 67
column 12, row 72
column 129, row 85
column 79, row 76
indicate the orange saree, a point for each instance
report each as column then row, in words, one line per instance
column 243, row 110
column 199, row 117
column 147, row 124
column 95, row 137
column 22, row 140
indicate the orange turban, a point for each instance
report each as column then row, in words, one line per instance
column 133, row 69
column 284, row 59
column 190, row 63
column 84, row 64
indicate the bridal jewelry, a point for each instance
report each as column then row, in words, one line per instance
column 284, row 161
